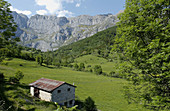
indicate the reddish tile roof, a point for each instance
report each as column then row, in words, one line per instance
column 47, row 84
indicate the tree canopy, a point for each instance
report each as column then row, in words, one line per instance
column 143, row 39
column 7, row 28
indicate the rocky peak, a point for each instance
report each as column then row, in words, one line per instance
column 20, row 19
column 51, row 32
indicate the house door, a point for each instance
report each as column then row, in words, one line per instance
column 36, row 92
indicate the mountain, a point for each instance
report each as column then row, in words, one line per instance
column 98, row 45
column 51, row 32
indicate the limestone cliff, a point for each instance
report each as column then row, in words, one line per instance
column 51, row 32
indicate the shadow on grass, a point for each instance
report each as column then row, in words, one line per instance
column 18, row 97
column 79, row 103
column 52, row 67
column 5, row 104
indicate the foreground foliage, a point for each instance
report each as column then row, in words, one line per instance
column 7, row 31
column 143, row 39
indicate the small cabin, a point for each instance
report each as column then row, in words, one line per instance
column 56, row 91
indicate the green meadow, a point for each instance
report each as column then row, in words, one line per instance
column 93, row 60
column 107, row 92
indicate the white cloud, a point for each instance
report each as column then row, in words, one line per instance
column 78, row 5
column 26, row 12
column 69, row 1
column 41, row 12
column 64, row 13
column 51, row 5
column 56, row 6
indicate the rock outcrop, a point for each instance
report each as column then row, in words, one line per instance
column 51, row 32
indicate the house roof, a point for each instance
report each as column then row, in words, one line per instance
column 48, row 84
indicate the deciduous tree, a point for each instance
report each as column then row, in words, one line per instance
column 143, row 39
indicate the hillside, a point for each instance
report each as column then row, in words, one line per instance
column 107, row 92
column 98, row 45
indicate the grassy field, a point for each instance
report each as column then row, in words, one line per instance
column 92, row 60
column 106, row 92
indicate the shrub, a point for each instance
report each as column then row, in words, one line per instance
column 17, row 77
column 76, row 67
column 91, row 70
column 98, row 69
column 57, row 64
column 113, row 74
column 4, row 63
column 1, row 77
column 89, row 66
column 89, row 104
column 82, row 67
column 70, row 65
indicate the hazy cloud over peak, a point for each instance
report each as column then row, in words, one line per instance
column 26, row 12
column 41, row 12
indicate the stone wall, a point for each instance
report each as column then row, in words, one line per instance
column 64, row 95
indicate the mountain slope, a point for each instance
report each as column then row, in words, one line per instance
column 98, row 45
column 51, row 32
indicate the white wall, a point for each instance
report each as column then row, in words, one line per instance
column 45, row 95
column 32, row 91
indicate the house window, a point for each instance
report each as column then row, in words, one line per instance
column 68, row 89
column 59, row 91
column 71, row 102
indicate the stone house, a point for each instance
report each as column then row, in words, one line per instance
column 55, row 91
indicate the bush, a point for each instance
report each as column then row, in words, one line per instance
column 4, row 63
column 89, row 104
column 17, row 77
column 70, row 65
column 13, row 79
column 82, row 67
column 91, row 70
column 89, row 66
column 98, row 69
column 76, row 67
column 1, row 77
column 57, row 64
column 113, row 74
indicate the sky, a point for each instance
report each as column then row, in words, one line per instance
column 67, row 8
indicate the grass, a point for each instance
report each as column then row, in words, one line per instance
column 92, row 60
column 106, row 92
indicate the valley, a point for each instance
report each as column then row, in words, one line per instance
column 106, row 91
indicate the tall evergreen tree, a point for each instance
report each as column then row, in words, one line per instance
column 143, row 39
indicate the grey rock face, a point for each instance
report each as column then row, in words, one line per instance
column 51, row 32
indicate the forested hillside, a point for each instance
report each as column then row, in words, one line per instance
column 99, row 45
